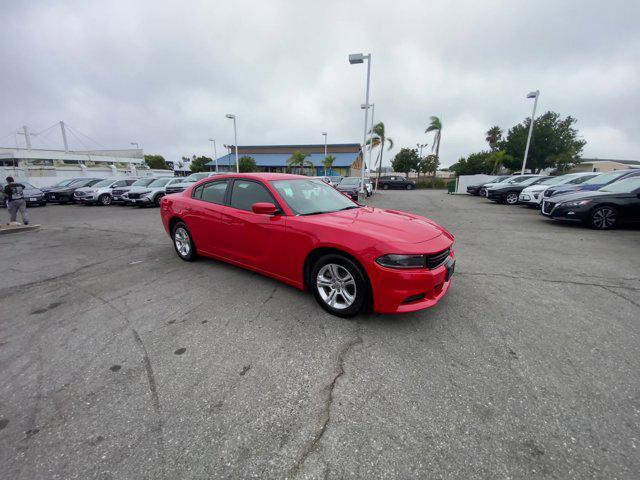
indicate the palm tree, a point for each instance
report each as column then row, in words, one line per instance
column 328, row 163
column 493, row 136
column 379, row 138
column 436, row 127
column 299, row 159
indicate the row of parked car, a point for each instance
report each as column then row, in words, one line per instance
column 601, row 200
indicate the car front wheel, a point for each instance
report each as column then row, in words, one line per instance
column 339, row 286
column 105, row 199
column 409, row 187
column 385, row 187
column 511, row 198
column 183, row 242
column 604, row 218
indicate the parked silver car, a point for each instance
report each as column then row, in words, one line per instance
column 118, row 192
column 101, row 193
column 150, row 194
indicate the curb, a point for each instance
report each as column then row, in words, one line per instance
column 6, row 229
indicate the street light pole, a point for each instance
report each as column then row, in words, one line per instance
column 235, row 139
column 421, row 146
column 215, row 153
column 373, row 111
column 360, row 58
column 136, row 144
column 535, row 95
column 325, row 151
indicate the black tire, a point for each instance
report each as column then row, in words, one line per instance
column 510, row 198
column 105, row 199
column 409, row 187
column 385, row 187
column 603, row 218
column 359, row 289
column 157, row 198
column 190, row 254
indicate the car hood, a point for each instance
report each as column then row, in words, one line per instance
column 347, row 187
column 62, row 189
column 535, row 188
column 385, row 225
column 143, row 189
column 585, row 195
column 85, row 189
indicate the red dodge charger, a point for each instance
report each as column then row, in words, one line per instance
column 306, row 233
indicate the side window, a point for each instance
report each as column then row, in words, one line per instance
column 245, row 193
column 129, row 182
column 197, row 192
column 120, row 183
column 213, row 192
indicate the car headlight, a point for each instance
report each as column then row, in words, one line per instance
column 144, row 192
column 394, row 260
column 577, row 203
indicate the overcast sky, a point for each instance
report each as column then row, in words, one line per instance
column 165, row 73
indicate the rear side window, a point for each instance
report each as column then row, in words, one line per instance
column 245, row 193
column 213, row 192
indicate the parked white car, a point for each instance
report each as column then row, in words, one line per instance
column 101, row 193
column 150, row 194
column 532, row 195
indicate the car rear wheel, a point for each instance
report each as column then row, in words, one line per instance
column 156, row 199
column 385, row 187
column 183, row 242
column 338, row 285
column 409, row 187
column 105, row 199
column 511, row 198
column 604, row 218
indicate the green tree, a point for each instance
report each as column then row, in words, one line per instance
column 497, row 159
column 493, row 136
column 156, row 162
column 247, row 164
column 429, row 166
column 328, row 162
column 406, row 160
column 562, row 162
column 552, row 135
column 436, row 127
column 378, row 139
column 299, row 160
column 478, row 162
column 198, row 164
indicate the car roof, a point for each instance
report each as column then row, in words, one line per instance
column 265, row 176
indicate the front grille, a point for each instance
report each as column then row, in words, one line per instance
column 437, row 259
column 134, row 196
column 118, row 192
column 547, row 207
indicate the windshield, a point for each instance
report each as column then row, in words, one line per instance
column 628, row 185
column 143, row 182
column 104, row 183
column 194, row 177
column 604, row 178
column 582, row 178
column 521, row 179
column 27, row 185
column 66, row 182
column 552, row 181
column 308, row 197
column 161, row 182
column 350, row 181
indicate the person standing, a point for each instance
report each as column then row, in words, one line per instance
column 14, row 195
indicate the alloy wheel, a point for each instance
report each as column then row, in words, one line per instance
column 105, row 200
column 512, row 198
column 182, row 241
column 336, row 286
column 604, row 218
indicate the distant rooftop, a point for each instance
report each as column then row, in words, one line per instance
column 596, row 160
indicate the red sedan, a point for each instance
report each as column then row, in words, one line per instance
column 305, row 233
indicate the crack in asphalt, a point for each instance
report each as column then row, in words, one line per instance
column 548, row 280
column 153, row 388
column 325, row 414
column 610, row 289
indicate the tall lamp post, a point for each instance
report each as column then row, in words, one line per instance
column 235, row 139
column 535, row 95
column 360, row 58
column 421, row 146
column 136, row 144
column 373, row 111
column 324, row 134
column 215, row 152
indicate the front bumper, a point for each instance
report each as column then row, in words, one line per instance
column 85, row 198
column 562, row 212
column 402, row 291
column 474, row 190
column 138, row 201
column 533, row 199
column 494, row 195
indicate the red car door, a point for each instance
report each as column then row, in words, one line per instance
column 256, row 240
column 204, row 217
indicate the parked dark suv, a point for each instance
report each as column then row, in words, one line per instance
column 396, row 181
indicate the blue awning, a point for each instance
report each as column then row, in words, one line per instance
column 280, row 159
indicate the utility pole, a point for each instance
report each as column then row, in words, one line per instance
column 27, row 136
column 64, row 136
column 535, row 95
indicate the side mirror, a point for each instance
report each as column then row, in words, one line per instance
column 264, row 208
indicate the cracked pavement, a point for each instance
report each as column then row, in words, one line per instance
column 118, row 360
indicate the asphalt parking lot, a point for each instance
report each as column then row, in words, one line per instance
column 118, row 360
